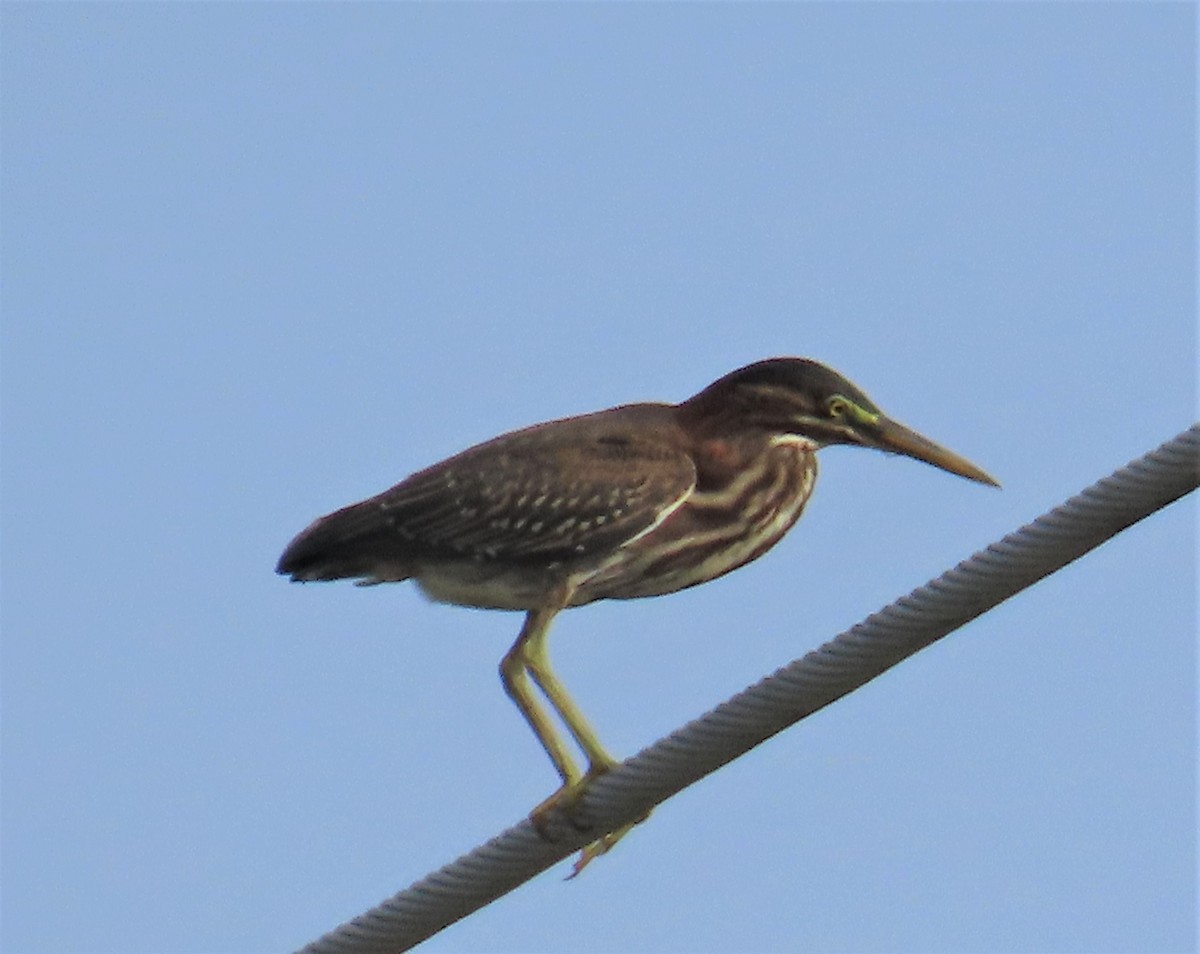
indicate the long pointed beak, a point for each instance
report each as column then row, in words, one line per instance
column 891, row 436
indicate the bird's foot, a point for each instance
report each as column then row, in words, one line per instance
column 566, row 799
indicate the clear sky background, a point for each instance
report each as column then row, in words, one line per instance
column 260, row 261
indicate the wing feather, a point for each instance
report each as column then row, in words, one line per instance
column 566, row 491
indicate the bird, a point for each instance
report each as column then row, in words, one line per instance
column 635, row 501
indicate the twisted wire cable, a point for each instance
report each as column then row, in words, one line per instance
column 799, row 689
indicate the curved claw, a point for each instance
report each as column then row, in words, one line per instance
column 600, row 846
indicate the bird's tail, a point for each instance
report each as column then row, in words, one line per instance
column 350, row 543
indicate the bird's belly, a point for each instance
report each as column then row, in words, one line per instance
column 485, row 587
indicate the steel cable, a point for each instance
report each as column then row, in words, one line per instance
column 799, row 689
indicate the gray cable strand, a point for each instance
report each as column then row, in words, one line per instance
column 797, row 690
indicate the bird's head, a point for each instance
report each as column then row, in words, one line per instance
column 796, row 397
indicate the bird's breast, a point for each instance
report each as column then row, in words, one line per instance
column 722, row 525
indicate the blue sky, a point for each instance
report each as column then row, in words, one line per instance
column 260, row 261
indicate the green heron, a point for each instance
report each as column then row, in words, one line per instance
column 638, row 500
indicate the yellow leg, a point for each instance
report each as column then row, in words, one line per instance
column 529, row 658
column 515, row 677
column 537, row 663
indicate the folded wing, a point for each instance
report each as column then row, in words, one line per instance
column 564, row 492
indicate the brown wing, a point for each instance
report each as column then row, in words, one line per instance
column 565, row 491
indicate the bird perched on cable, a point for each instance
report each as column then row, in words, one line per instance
column 638, row 500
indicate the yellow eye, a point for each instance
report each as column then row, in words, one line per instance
column 855, row 415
